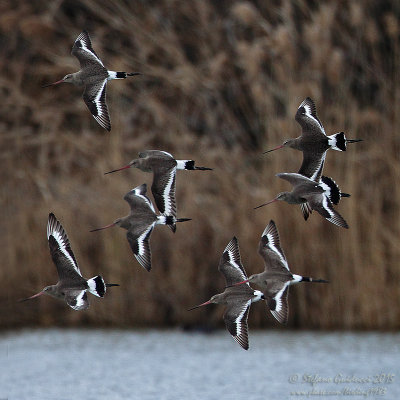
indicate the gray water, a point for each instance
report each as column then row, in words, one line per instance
column 107, row 364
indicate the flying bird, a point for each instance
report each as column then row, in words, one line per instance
column 276, row 278
column 305, row 190
column 140, row 224
column 71, row 286
column 313, row 141
column 94, row 76
column 237, row 299
column 163, row 166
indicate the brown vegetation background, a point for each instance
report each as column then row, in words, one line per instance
column 222, row 82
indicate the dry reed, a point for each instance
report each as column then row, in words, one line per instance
column 222, row 82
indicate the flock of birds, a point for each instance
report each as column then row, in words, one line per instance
column 311, row 190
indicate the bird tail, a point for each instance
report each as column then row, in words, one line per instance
column 309, row 279
column 332, row 189
column 189, row 165
column 97, row 286
column 112, row 284
column 306, row 210
column 121, row 75
column 171, row 221
column 338, row 141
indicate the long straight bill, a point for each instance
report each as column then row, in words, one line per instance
column 119, row 169
column 103, row 227
column 240, row 283
column 54, row 83
column 265, row 204
column 202, row 304
column 32, row 297
column 276, row 148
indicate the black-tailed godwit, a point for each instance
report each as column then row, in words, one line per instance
column 94, row 76
column 164, row 166
column 313, row 141
column 71, row 286
column 305, row 190
column 237, row 299
column 140, row 224
column 276, row 277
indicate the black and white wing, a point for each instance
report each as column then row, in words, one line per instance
column 270, row 248
column 83, row 51
column 137, row 199
column 94, row 97
column 306, row 116
column 279, row 305
column 60, row 250
column 163, row 189
column 77, row 299
column 139, row 241
column 313, row 165
column 324, row 206
column 230, row 264
column 235, row 319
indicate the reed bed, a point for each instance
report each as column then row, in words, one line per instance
column 222, row 82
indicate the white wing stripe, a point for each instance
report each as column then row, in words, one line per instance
column 62, row 245
column 308, row 113
column 166, row 193
column 236, row 266
column 315, row 173
column 271, row 245
column 79, row 299
column 240, row 317
column 140, row 240
column 145, row 198
column 82, row 38
column 278, row 298
column 97, row 100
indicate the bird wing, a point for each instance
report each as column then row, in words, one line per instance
column 303, row 187
column 77, row 299
column 279, row 305
column 60, row 250
column 235, row 319
column 163, row 189
column 83, row 51
column 324, row 206
column 139, row 241
column 307, row 114
column 270, row 249
column 155, row 153
column 295, row 178
column 230, row 264
column 312, row 165
column 138, row 200
column 94, row 97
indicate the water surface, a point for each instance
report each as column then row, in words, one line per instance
column 110, row 364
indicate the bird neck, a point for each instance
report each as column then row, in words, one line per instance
column 53, row 291
column 293, row 143
column 124, row 222
column 289, row 198
column 144, row 164
column 76, row 79
column 218, row 299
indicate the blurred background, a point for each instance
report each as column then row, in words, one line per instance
column 221, row 83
